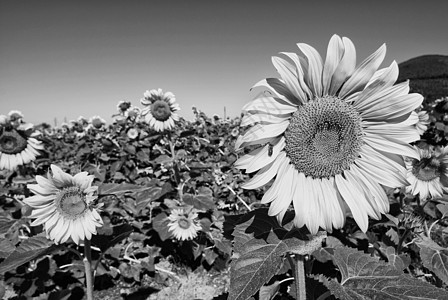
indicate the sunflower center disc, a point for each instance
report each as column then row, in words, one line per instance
column 11, row 142
column 161, row 110
column 324, row 137
column 427, row 169
column 184, row 223
column 71, row 202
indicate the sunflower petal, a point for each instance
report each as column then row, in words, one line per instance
column 363, row 73
column 315, row 66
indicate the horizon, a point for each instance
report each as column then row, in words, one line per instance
column 208, row 54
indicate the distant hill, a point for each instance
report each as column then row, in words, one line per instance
column 428, row 75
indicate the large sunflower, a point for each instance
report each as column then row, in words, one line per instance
column 332, row 135
column 160, row 109
column 64, row 204
column 18, row 145
column 428, row 175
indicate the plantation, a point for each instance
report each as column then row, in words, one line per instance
column 318, row 191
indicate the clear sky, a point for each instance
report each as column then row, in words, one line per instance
column 70, row 58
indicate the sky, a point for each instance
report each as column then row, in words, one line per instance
column 63, row 59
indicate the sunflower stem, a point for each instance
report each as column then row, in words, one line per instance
column 175, row 168
column 88, row 269
column 299, row 276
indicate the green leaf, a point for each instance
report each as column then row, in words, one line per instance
column 5, row 224
column 160, row 224
column 434, row 257
column 29, row 249
column 119, row 188
column 365, row 277
column 120, row 232
column 393, row 235
column 6, row 248
column 259, row 261
column 267, row 292
column 400, row 262
column 153, row 193
column 204, row 200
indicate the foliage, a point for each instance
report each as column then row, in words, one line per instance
column 142, row 178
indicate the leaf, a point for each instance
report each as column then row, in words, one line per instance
column 365, row 277
column 119, row 188
column 120, row 232
column 5, row 224
column 163, row 159
column 434, row 257
column 256, row 266
column 6, row 248
column 160, row 224
column 29, row 249
column 267, row 292
column 443, row 208
column 400, row 262
column 393, row 235
column 204, row 200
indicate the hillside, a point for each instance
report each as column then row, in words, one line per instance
column 428, row 75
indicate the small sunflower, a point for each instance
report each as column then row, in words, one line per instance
column 18, row 145
column 132, row 133
column 331, row 134
column 160, row 109
column 183, row 224
column 64, row 204
column 97, row 122
column 133, row 112
column 123, row 106
column 428, row 174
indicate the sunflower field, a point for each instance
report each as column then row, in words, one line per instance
column 332, row 184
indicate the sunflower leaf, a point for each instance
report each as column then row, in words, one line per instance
column 119, row 188
column 29, row 249
column 434, row 257
column 259, row 261
column 365, row 277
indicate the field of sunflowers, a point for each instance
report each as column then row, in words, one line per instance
column 332, row 184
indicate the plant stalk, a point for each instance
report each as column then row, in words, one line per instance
column 88, row 269
column 299, row 276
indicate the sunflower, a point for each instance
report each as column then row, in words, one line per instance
column 123, row 106
column 183, row 224
column 332, row 134
column 63, row 203
column 97, row 122
column 132, row 133
column 160, row 108
column 18, row 145
column 133, row 112
column 428, row 174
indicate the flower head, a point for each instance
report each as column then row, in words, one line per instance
column 132, row 133
column 331, row 134
column 133, row 112
column 428, row 174
column 15, row 115
column 160, row 109
column 64, row 204
column 123, row 106
column 183, row 224
column 97, row 122
column 18, row 145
